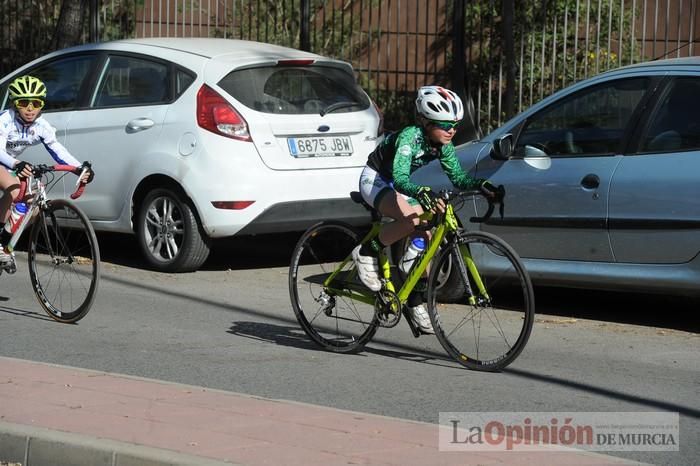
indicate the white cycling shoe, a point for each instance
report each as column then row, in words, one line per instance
column 421, row 319
column 5, row 257
column 367, row 269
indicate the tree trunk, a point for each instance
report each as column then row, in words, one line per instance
column 70, row 23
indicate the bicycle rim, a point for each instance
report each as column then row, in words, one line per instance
column 489, row 331
column 337, row 323
column 64, row 261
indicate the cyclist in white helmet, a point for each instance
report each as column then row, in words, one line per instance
column 385, row 183
column 22, row 126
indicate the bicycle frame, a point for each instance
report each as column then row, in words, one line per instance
column 481, row 330
column 33, row 191
column 36, row 202
column 449, row 224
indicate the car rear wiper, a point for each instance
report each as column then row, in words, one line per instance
column 338, row 106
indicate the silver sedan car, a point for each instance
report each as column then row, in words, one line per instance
column 602, row 181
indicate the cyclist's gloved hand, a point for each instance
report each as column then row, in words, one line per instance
column 490, row 190
column 427, row 198
column 89, row 173
column 23, row 169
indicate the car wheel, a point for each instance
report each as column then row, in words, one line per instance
column 168, row 233
column 450, row 287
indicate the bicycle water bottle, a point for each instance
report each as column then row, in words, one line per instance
column 414, row 250
column 17, row 213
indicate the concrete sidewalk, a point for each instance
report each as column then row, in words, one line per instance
column 60, row 416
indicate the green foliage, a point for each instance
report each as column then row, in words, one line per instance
column 548, row 56
column 24, row 37
column 118, row 18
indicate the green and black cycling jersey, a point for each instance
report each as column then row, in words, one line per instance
column 402, row 153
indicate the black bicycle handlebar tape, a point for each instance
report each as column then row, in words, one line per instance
column 430, row 224
column 497, row 199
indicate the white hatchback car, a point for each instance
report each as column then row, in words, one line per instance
column 194, row 139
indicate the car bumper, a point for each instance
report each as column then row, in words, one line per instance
column 298, row 216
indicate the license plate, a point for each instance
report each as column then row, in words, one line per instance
column 326, row 146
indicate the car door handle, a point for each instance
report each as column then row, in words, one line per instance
column 139, row 124
column 590, row 181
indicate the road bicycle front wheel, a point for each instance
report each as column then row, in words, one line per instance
column 327, row 312
column 64, row 261
column 489, row 325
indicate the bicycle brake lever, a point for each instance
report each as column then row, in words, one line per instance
column 80, row 177
column 501, row 199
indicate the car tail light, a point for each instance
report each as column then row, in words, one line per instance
column 380, row 127
column 215, row 114
column 231, row 205
column 297, row 62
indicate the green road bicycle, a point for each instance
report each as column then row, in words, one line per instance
column 479, row 295
column 62, row 250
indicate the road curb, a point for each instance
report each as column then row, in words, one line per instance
column 37, row 446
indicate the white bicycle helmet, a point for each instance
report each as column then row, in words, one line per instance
column 439, row 104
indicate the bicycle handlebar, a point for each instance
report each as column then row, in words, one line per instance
column 498, row 198
column 40, row 170
column 448, row 195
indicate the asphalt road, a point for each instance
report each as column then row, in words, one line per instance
column 230, row 326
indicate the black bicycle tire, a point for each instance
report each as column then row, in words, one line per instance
column 299, row 313
column 529, row 311
column 48, row 306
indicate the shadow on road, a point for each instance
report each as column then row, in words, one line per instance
column 24, row 313
column 275, row 250
column 672, row 312
column 295, row 337
column 279, row 334
column 237, row 253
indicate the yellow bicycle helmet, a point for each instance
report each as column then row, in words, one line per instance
column 27, row 87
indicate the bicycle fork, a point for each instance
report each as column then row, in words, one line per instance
column 60, row 248
column 463, row 258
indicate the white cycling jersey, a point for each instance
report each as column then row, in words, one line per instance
column 15, row 136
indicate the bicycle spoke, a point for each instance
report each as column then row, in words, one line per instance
column 483, row 333
column 64, row 261
column 332, row 319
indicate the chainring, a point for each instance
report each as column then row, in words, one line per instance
column 387, row 306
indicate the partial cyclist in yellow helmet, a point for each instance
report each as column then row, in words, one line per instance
column 21, row 126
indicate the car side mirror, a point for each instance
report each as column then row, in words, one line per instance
column 503, row 147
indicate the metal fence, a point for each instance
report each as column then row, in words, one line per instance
column 503, row 58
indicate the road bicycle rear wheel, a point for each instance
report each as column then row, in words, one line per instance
column 64, row 261
column 488, row 330
column 337, row 323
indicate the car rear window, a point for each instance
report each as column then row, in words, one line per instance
column 296, row 90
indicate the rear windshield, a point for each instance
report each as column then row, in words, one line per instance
column 296, row 90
